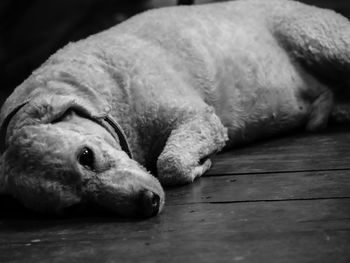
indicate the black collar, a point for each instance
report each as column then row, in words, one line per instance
column 123, row 142
column 105, row 121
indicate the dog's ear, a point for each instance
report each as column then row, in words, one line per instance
column 3, row 180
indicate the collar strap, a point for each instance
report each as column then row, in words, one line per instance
column 123, row 142
column 106, row 122
column 5, row 123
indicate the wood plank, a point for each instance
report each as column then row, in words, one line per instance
column 263, row 187
column 240, row 188
column 328, row 150
column 287, row 231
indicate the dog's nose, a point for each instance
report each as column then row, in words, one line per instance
column 150, row 203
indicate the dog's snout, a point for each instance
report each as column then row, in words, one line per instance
column 149, row 202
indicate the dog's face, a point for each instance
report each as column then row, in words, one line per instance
column 75, row 161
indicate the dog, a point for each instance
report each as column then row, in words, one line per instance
column 110, row 119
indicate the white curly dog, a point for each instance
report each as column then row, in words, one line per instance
column 164, row 91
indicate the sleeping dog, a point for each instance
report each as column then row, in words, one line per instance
column 108, row 119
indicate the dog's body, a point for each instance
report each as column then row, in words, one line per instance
column 182, row 83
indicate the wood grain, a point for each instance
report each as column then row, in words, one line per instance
column 264, row 187
column 328, row 150
column 307, row 230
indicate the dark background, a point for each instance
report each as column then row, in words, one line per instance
column 31, row 30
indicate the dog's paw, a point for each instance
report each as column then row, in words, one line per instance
column 179, row 170
column 320, row 111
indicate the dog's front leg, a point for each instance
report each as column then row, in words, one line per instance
column 187, row 150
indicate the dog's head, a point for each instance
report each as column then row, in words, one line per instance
column 72, row 160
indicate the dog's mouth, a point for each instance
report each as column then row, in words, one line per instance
column 133, row 194
column 147, row 204
column 148, row 207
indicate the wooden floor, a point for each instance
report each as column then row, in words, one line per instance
column 284, row 200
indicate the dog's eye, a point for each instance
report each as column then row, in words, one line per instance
column 86, row 158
